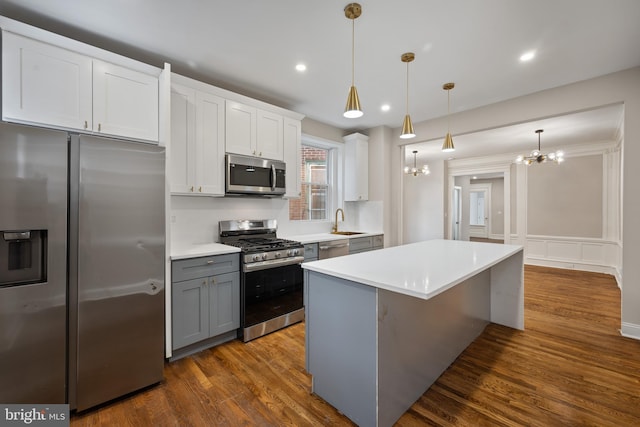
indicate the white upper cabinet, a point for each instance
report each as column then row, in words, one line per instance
column 253, row 132
column 196, row 151
column 240, row 128
column 210, row 143
column 44, row 84
column 125, row 102
column 269, row 143
column 356, row 168
column 182, row 148
column 292, row 147
column 48, row 85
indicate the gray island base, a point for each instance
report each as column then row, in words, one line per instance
column 382, row 327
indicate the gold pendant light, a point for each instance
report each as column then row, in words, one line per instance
column 447, row 146
column 353, row 110
column 407, row 126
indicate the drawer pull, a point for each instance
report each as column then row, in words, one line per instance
column 210, row 262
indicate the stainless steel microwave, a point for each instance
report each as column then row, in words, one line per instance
column 254, row 176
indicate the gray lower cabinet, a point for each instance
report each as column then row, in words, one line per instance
column 205, row 300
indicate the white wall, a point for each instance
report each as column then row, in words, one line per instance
column 422, row 205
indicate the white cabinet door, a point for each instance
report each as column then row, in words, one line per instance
column 240, row 130
column 356, row 170
column 269, row 142
column 210, row 144
column 44, row 84
column 125, row 102
column 182, row 148
column 292, row 147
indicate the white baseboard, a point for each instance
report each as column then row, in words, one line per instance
column 568, row 265
column 630, row 330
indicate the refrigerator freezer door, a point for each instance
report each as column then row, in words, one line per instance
column 33, row 295
column 120, row 269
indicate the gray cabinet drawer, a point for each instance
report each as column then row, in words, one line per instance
column 378, row 241
column 311, row 251
column 360, row 244
column 194, row 268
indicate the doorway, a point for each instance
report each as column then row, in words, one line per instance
column 479, row 210
column 457, row 212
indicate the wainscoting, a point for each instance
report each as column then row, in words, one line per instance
column 596, row 255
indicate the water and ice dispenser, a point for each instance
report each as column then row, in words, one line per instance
column 23, row 257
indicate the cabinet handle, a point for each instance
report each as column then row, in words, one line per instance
column 86, row 124
column 260, row 154
column 204, row 283
column 213, row 280
column 192, row 188
column 254, row 152
column 200, row 189
column 99, row 127
column 210, row 262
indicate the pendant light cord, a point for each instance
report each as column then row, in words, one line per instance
column 353, row 50
column 539, row 149
column 448, row 111
column 407, row 88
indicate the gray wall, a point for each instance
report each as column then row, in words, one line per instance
column 566, row 200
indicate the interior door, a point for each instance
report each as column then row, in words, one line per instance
column 479, row 212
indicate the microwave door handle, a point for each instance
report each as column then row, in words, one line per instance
column 273, row 177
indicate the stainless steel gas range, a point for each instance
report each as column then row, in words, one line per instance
column 271, row 281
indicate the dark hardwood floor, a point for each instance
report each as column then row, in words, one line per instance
column 570, row 367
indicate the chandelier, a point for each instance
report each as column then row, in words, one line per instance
column 536, row 156
column 424, row 170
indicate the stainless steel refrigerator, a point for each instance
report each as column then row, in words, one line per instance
column 81, row 267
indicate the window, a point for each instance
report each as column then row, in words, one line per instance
column 316, row 179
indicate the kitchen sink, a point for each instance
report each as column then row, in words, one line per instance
column 347, row 233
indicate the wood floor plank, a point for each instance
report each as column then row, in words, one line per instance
column 569, row 367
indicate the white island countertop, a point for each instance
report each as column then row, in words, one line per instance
column 423, row 269
column 199, row 250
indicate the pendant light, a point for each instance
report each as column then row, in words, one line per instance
column 407, row 126
column 536, row 156
column 353, row 110
column 424, row 170
column 447, row 145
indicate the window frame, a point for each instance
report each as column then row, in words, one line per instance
column 335, row 158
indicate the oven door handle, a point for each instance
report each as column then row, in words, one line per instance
column 263, row 265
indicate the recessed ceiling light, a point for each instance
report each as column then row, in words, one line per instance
column 385, row 107
column 527, row 56
column 474, row 177
column 301, row 67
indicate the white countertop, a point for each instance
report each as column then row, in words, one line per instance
column 198, row 250
column 326, row 237
column 422, row 270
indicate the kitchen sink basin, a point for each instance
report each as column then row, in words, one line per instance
column 347, row 233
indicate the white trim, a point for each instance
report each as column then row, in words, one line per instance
column 630, row 330
column 586, row 254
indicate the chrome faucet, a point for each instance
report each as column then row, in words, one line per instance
column 335, row 225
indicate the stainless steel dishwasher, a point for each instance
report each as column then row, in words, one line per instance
column 333, row 248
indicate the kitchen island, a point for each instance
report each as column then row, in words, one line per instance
column 382, row 326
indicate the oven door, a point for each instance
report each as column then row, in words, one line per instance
column 270, row 293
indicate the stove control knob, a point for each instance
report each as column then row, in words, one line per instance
column 278, row 255
column 256, row 257
column 295, row 252
column 264, row 257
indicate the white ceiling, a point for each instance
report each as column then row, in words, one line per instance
column 252, row 46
